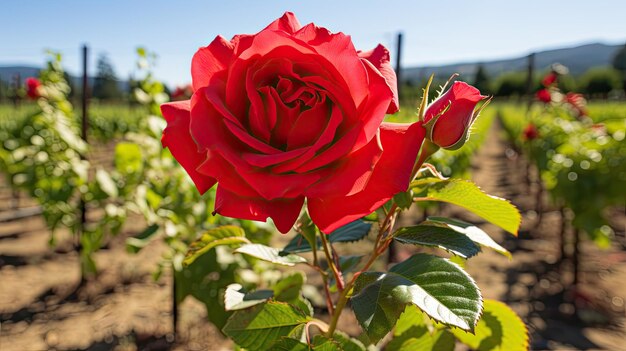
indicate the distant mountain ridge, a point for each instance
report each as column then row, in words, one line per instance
column 8, row 74
column 578, row 59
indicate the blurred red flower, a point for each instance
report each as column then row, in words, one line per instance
column 549, row 79
column 530, row 132
column 544, row 95
column 32, row 87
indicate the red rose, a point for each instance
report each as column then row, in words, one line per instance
column 530, row 132
column 449, row 118
column 288, row 114
column 549, row 79
column 32, row 87
column 544, row 95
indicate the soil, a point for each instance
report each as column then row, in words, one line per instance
column 42, row 306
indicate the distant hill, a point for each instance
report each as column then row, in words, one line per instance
column 8, row 74
column 578, row 59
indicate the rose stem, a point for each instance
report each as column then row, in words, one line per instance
column 329, row 301
column 343, row 298
column 331, row 263
column 385, row 228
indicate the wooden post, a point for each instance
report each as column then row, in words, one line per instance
column 84, row 105
column 398, row 65
column 85, row 95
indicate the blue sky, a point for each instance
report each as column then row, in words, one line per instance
column 435, row 32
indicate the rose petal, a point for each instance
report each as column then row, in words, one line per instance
column 379, row 57
column 284, row 212
column 177, row 138
column 372, row 110
column 226, row 174
column 209, row 60
column 260, row 160
column 401, row 143
column 325, row 138
column 208, row 119
column 286, row 23
column 351, row 175
column 338, row 49
column 309, row 126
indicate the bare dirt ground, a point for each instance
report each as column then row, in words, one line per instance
column 41, row 307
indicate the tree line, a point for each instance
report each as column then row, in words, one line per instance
column 596, row 82
column 105, row 86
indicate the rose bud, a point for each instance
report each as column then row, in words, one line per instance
column 530, row 132
column 32, row 88
column 544, row 96
column 448, row 119
column 292, row 115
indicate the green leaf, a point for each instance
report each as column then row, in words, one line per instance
column 466, row 194
column 236, row 299
column 353, row 231
column 476, row 234
column 347, row 343
column 260, row 326
column 433, row 234
column 404, row 199
column 270, row 254
column 304, row 305
column 224, row 235
column 498, row 329
column 412, row 333
column 289, row 344
column 289, row 287
column 419, row 338
column 322, row 343
column 128, row 158
column 299, row 244
column 206, row 280
column 411, row 317
column 438, row 287
column 139, row 241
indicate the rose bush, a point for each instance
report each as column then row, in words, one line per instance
column 293, row 113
